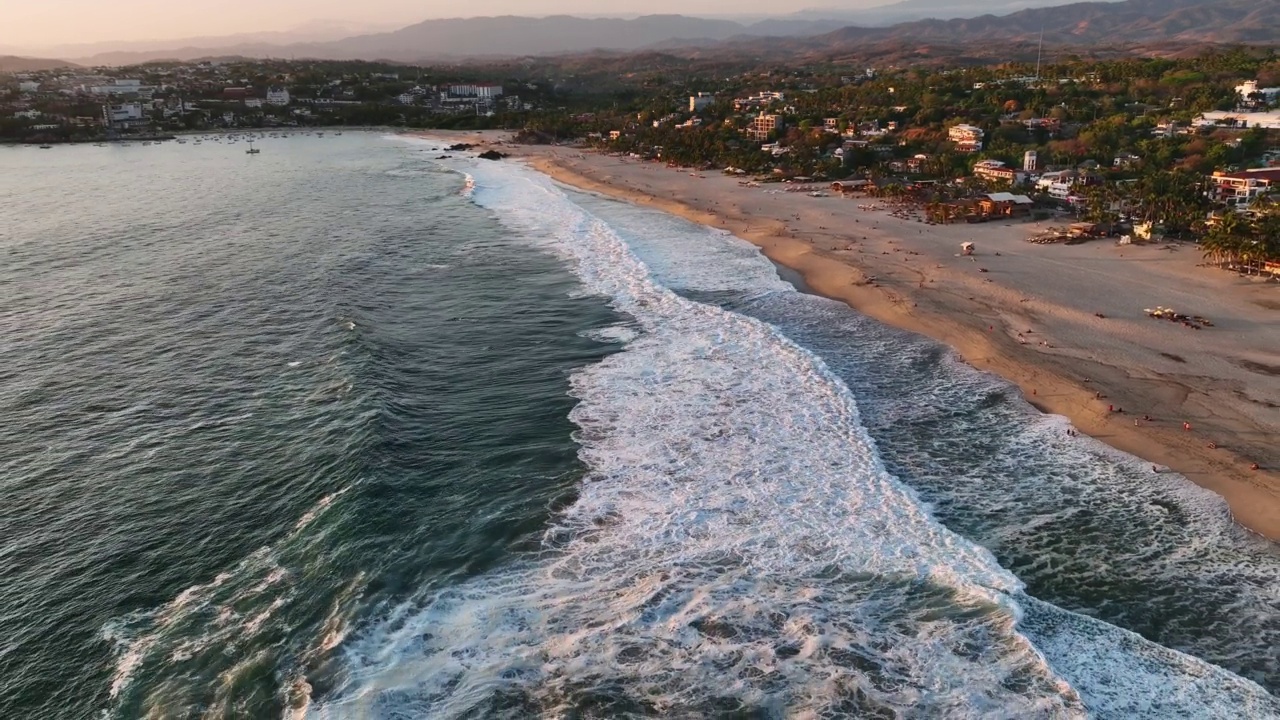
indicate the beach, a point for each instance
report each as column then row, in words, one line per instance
column 380, row 426
column 1065, row 323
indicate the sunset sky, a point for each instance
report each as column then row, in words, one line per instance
column 35, row 23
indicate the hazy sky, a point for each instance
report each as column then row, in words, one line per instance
column 32, row 23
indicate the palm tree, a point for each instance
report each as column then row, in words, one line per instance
column 1225, row 242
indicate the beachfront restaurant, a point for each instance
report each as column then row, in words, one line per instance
column 1005, row 204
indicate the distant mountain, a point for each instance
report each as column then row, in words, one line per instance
column 1089, row 24
column 458, row 38
column 1097, row 24
column 105, row 53
column 911, row 10
column 15, row 64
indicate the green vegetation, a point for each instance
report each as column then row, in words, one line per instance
column 1127, row 127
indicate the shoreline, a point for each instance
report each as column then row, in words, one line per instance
column 980, row 321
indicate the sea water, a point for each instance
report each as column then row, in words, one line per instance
column 344, row 430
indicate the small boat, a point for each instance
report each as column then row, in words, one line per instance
column 46, row 147
column 252, row 150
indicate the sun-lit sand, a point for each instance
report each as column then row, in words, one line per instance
column 1065, row 323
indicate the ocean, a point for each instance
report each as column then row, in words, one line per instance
column 348, row 430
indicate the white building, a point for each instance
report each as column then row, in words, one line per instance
column 1239, row 189
column 701, row 101
column 123, row 112
column 277, row 96
column 487, row 92
column 253, row 102
column 28, row 115
column 1030, row 161
column 968, row 138
column 764, row 98
column 28, row 86
column 1251, row 94
column 119, row 87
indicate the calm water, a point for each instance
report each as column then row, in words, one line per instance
column 337, row 431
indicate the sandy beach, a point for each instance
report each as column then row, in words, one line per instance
column 1066, row 323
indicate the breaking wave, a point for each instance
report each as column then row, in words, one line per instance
column 738, row 547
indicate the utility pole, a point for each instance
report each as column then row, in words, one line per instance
column 1039, row 53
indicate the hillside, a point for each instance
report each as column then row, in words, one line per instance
column 15, row 64
column 1133, row 21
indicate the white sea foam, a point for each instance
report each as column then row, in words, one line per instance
column 621, row 333
column 209, row 614
column 739, row 544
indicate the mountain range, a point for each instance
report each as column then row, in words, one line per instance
column 1096, row 24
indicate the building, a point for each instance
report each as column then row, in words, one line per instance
column 28, row 86
column 277, row 96
column 1030, row 161
column 1050, row 125
column 760, row 99
column 831, row 125
column 995, row 171
column 1062, row 185
column 475, row 91
column 1125, row 159
column 763, row 125
column 1239, row 189
column 1253, row 96
column 701, row 101
column 122, row 116
column 1005, row 205
column 119, row 87
column 968, row 138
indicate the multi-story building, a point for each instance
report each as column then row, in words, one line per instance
column 995, row 171
column 760, row 99
column 1030, row 161
column 122, row 116
column 119, row 87
column 475, row 91
column 277, row 96
column 968, row 138
column 1063, row 185
column 1240, row 189
column 763, row 125
column 701, row 101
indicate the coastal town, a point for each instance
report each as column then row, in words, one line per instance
column 1146, row 148
column 64, row 105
